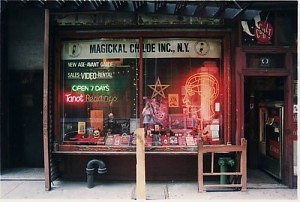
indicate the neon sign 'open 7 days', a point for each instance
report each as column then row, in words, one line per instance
column 95, row 88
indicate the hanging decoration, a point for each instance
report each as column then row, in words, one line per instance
column 258, row 31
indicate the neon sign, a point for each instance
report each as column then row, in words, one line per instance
column 81, row 98
column 201, row 90
column 96, row 88
column 101, row 98
column 74, row 98
column 90, row 75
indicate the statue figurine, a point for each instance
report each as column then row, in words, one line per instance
column 111, row 125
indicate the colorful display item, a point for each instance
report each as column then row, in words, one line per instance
column 201, row 91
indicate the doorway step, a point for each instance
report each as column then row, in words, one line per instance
column 258, row 179
column 23, row 174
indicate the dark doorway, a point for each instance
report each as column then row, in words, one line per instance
column 264, row 98
column 25, row 136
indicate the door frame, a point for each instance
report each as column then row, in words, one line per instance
column 241, row 71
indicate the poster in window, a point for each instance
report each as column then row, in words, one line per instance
column 173, row 100
column 81, row 127
column 177, row 121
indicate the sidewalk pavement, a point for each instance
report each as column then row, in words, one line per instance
column 28, row 183
column 112, row 190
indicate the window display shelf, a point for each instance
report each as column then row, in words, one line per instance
column 123, row 150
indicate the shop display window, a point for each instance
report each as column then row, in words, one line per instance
column 99, row 92
column 181, row 91
column 295, row 112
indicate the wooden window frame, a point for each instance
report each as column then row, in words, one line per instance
column 225, row 78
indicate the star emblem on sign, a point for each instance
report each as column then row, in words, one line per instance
column 158, row 89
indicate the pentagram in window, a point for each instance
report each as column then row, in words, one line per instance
column 158, row 89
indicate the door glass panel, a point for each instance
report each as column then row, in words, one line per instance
column 275, row 61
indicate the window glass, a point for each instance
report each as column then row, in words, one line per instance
column 287, row 28
column 295, row 68
column 99, row 90
column 182, row 91
column 295, row 109
column 275, row 60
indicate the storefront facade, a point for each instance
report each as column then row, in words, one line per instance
column 210, row 76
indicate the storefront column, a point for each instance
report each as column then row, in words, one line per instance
column 141, row 91
column 45, row 105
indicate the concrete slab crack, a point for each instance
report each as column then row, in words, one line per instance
column 166, row 192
